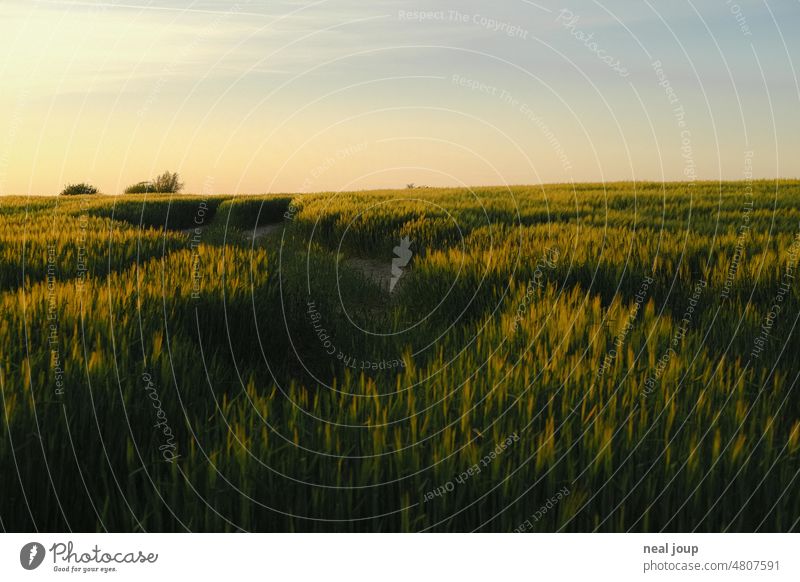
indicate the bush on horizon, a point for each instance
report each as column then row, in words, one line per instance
column 78, row 189
column 166, row 183
column 140, row 188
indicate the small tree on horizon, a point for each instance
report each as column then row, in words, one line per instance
column 168, row 183
column 140, row 188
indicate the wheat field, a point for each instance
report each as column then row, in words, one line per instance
column 590, row 357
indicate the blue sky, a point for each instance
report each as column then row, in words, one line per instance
column 306, row 96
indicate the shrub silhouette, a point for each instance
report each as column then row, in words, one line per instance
column 140, row 188
column 77, row 189
column 168, row 182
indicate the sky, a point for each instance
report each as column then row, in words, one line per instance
column 302, row 96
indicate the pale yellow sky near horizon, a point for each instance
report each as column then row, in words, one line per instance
column 332, row 95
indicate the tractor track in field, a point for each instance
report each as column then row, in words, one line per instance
column 374, row 270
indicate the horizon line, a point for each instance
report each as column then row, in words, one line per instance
column 424, row 187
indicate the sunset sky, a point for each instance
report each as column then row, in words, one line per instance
column 340, row 95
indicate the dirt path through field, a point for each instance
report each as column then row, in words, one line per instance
column 249, row 235
column 379, row 272
column 262, row 231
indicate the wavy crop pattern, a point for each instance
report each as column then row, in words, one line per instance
column 230, row 363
